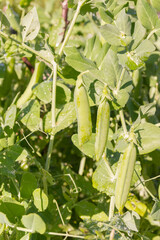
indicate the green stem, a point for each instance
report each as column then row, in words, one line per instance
column 123, row 122
column 24, row 46
column 55, row 68
column 49, row 233
column 111, row 207
column 80, row 3
column 82, row 165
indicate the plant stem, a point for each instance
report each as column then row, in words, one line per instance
column 82, row 165
column 80, row 3
column 24, row 46
column 55, row 68
column 111, row 207
column 123, row 122
column 49, row 233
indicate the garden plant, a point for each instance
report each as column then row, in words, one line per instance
column 80, row 119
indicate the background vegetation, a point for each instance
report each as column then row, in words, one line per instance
column 50, row 186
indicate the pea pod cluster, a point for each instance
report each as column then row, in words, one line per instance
column 124, row 175
column 102, row 128
column 83, row 112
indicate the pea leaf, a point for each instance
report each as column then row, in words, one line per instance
column 11, row 208
column 76, row 60
column 123, row 22
column 3, row 20
column 87, row 210
column 146, row 14
column 4, row 219
column 132, row 221
column 10, row 116
column 111, row 34
column 146, row 46
column 9, row 156
column 30, row 25
column 148, row 135
column 40, row 199
column 86, row 148
column 65, row 117
column 138, row 34
column 103, row 178
column 13, row 18
column 155, row 213
column 43, row 91
column 112, row 72
column 26, row 237
column 30, row 115
column 28, row 184
column 34, row 222
column 156, row 4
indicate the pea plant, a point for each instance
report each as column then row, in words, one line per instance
column 79, row 119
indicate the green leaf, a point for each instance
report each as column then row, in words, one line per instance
column 89, row 46
column 86, row 148
column 64, row 118
column 26, row 237
column 34, row 222
column 13, row 18
column 28, row 184
column 30, row 115
column 136, row 173
column 76, row 60
column 3, row 20
column 112, row 72
column 148, row 135
column 40, row 199
column 103, row 178
column 7, row 137
column 146, row 46
column 155, row 213
column 123, row 23
column 132, row 221
column 138, row 34
column 96, row 49
column 30, row 25
column 8, row 158
column 10, row 116
column 106, row 16
column 155, row 4
column 111, row 34
column 55, row 33
column 147, row 110
column 102, row 53
column 146, row 14
column 43, row 91
column 4, row 219
column 11, row 208
column 87, row 210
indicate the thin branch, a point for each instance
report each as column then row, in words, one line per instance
column 65, row 16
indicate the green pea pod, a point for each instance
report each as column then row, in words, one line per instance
column 124, row 176
column 38, row 71
column 102, row 128
column 83, row 112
